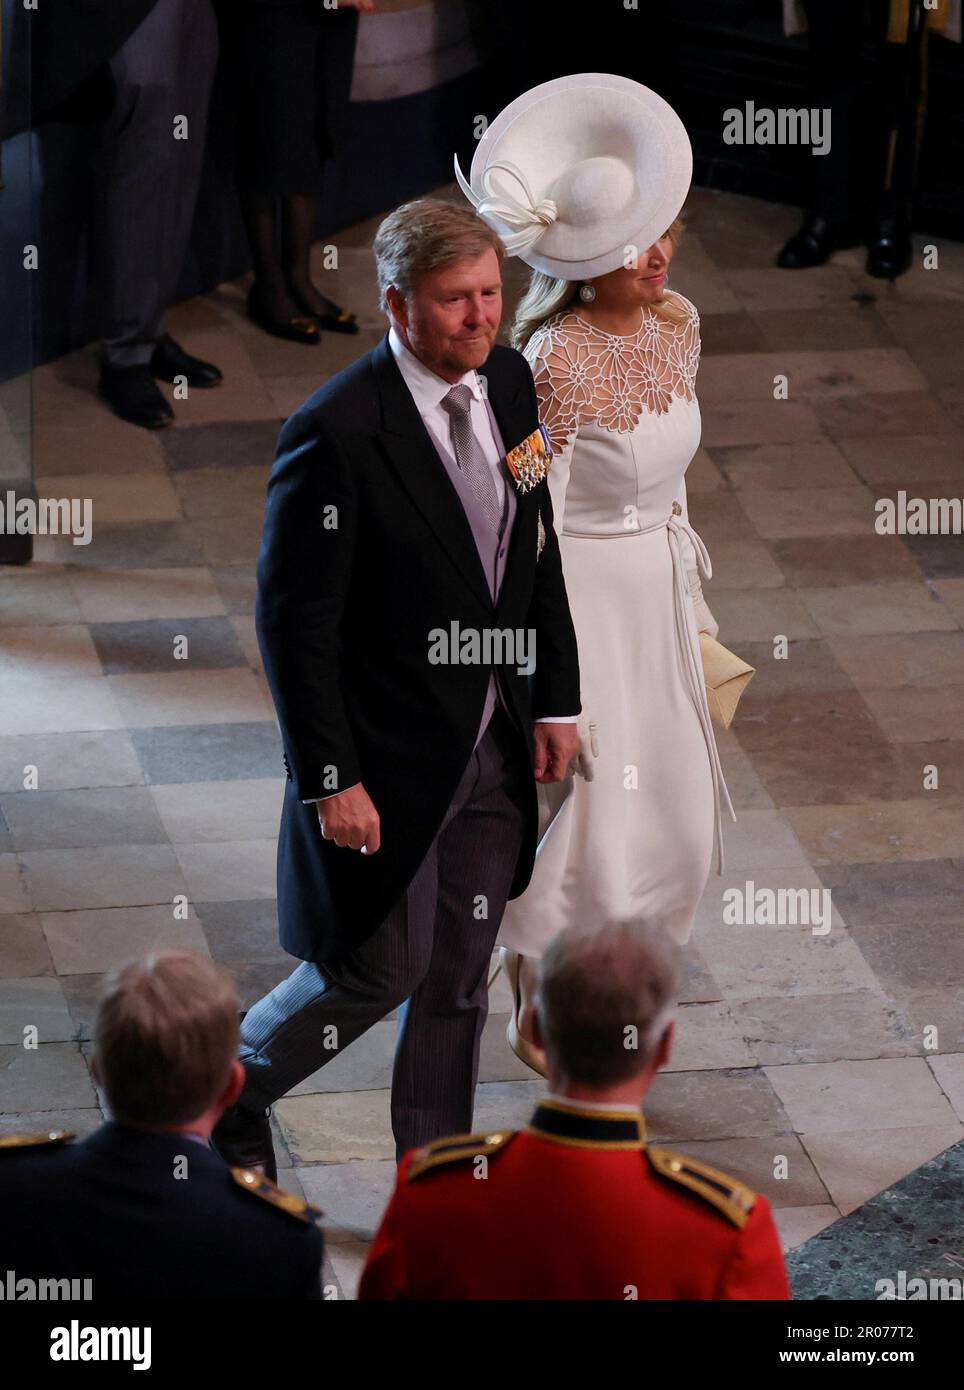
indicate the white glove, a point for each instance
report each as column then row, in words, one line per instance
column 583, row 762
column 705, row 622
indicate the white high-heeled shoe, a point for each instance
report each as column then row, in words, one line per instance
column 525, row 1050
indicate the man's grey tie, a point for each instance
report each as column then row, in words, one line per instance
column 469, row 455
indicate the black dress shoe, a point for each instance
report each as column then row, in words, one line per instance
column 890, row 250
column 170, row 361
column 132, row 393
column 243, row 1139
column 815, row 242
column 269, row 315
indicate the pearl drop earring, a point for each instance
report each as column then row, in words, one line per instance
column 587, row 293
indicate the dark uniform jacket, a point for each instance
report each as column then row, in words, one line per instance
column 152, row 1215
column 576, row 1206
column 366, row 549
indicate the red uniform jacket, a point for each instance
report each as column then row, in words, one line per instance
column 575, row 1206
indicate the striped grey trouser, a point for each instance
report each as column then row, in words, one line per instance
column 430, row 955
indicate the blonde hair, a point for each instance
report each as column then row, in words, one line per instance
column 546, row 295
column 165, row 1037
column 426, row 235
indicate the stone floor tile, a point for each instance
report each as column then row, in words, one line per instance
column 352, row 1195
column 82, row 995
column 742, row 564
column 757, row 962
column 134, row 545
column 77, row 1122
column 35, row 600
column 363, row 1065
column 47, row 653
column 348, row 1261
column 66, row 880
column 105, row 596
column 231, row 540
column 166, row 644
column 813, row 463
column 756, row 1161
column 60, row 451
column 54, row 1073
column 93, row 817
column 949, row 1073
column 244, row 932
column 190, row 697
column 237, row 585
column 198, row 812
column 905, row 458
column 827, row 563
column 708, row 1037
column 227, row 445
column 220, row 872
column 215, row 492
column 799, row 1224
column 824, row 1028
column 759, row 840
column 759, row 422
column 34, row 1003
column 333, row 1128
column 746, row 615
column 856, row 1165
column 809, row 667
column 14, row 898
column 823, row 512
column 861, row 609
column 65, row 761
column 144, row 496
column 209, row 752
column 874, row 832
column 918, row 714
column 91, row 942
column 840, row 1097
column 23, row 948
column 700, row 1105
column 747, row 792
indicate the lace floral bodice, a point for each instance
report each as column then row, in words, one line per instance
column 586, row 376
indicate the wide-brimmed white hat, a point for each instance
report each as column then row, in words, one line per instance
column 576, row 170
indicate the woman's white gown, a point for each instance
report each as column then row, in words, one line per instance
column 635, row 843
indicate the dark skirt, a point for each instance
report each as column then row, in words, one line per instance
column 294, row 64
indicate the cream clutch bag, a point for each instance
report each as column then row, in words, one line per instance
column 726, row 677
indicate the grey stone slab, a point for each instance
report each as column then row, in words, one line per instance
column 252, row 981
column 809, row 668
column 34, row 1003
column 89, row 758
column 80, row 1123
column 6, row 839
column 75, row 819
column 497, row 1061
column 916, row 1226
column 132, row 648
column 209, row 752
column 938, row 556
column 68, row 880
column 134, row 545
column 364, row 1065
column 54, row 1073
column 759, row 1161
column 227, row 445
column 82, row 993
column 23, row 947
column 738, row 1104
column 352, row 1195
column 244, row 933
column 825, row 1028
column 896, row 893
column 914, row 954
column 238, row 587
column 91, row 942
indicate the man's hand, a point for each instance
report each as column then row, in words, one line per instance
column 350, row 819
column 556, row 746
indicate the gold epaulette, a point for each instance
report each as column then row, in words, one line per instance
column 45, row 1140
column 458, row 1146
column 268, row 1191
column 734, row 1199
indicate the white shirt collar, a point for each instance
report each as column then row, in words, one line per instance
column 428, row 390
column 596, row 1104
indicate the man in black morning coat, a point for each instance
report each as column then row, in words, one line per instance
column 392, row 515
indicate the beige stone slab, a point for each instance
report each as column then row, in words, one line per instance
column 840, row 1097
column 497, row 1061
column 244, row 627
column 32, row 599
column 61, row 652
column 740, row 564
column 862, row 609
column 759, row 839
column 115, row 876
column 768, row 287
column 949, row 1073
column 914, row 715
column 810, row 375
column 231, row 870
column 62, row 451
column 347, row 1262
column 241, row 395
column 213, row 492
column 703, row 1105
column 817, row 511
column 365, row 1064
column 856, row 1165
column 336, row 1127
column 764, row 962
column 890, row 660
column 746, row 790
column 230, row 696
column 89, row 942
column 799, row 1224
column 23, row 949
column 77, row 1122
column 951, row 594
column 118, row 496
column 197, row 812
column 702, row 475
column 13, row 892
column 114, row 596
column 756, row 1163
column 708, row 1037
column 289, row 392
column 874, row 832
column 941, row 1012
column 759, row 422
column 812, row 463
column 751, row 616
column 230, row 540
column 718, row 907
column 59, row 707
column 824, row 1028
column 906, row 458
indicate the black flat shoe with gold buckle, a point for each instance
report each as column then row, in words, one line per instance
column 300, row 329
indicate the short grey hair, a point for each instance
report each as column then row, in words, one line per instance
column 605, row 998
column 426, row 235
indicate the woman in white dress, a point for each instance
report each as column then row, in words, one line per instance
column 614, row 357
